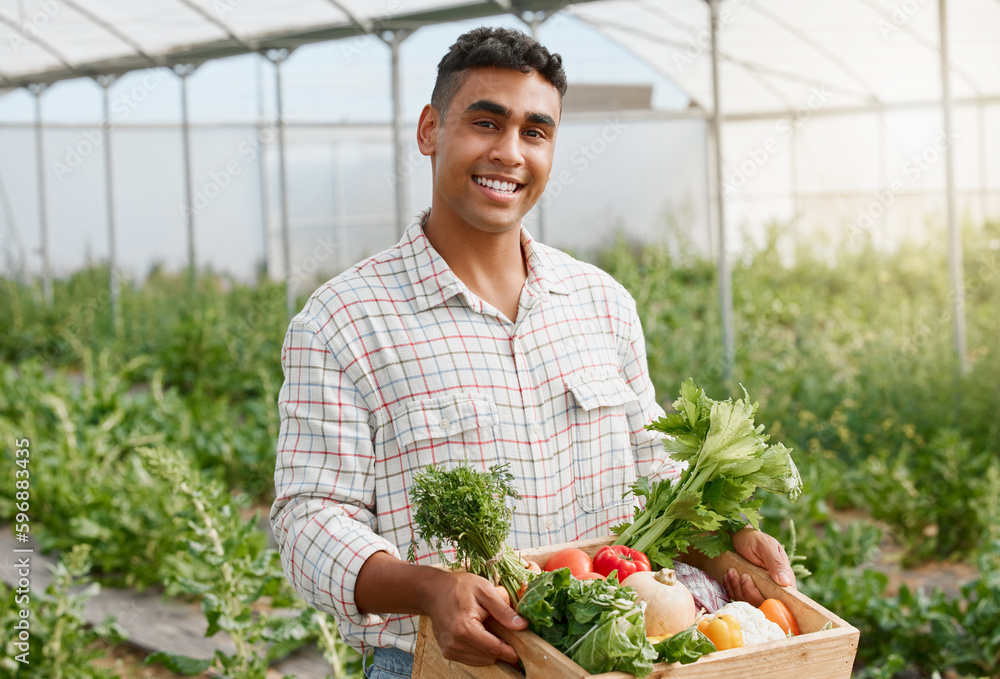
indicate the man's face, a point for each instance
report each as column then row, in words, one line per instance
column 499, row 128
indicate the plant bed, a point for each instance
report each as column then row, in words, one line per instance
column 816, row 653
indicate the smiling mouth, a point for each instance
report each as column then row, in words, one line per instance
column 498, row 186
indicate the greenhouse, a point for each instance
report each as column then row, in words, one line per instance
column 802, row 199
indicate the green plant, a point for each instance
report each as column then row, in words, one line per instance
column 464, row 508
column 345, row 662
column 231, row 569
column 60, row 643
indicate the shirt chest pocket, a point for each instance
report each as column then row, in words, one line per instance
column 450, row 428
column 603, row 462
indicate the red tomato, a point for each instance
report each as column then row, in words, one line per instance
column 577, row 560
column 619, row 558
column 589, row 576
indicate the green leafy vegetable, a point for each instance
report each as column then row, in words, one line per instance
column 464, row 508
column 684, row 647
column 596, row 623
column 727, row 458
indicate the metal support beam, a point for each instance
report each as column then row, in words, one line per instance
column 183, row 71
column 43, row 221
column 883, row 179
column 793, row 169
column 955, row 266
column 709, row 193
column 724, row 272
column 399, row 147
column 114, row 291
column 984, row 202
column 278, row 57
column 265, row 191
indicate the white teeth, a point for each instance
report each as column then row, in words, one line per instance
column 506, row 187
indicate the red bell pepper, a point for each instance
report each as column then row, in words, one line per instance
column 619, row 558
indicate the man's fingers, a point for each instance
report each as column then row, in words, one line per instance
column 479, row 648
column 742, row 588
column 776, row 562
column 503, row 613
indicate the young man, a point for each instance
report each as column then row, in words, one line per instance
column 467, row 341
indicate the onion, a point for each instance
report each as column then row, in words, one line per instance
column 669, row 604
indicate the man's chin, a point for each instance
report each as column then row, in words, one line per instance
column 494, row 223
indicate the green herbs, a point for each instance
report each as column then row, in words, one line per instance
column 727, row 459
column 596, row 623
column 465, row 509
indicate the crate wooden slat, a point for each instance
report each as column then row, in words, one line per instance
column 816, row 654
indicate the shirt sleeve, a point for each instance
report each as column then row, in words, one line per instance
column 651, row 460
column 323, row 516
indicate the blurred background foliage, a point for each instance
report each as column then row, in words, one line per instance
column 848, row 350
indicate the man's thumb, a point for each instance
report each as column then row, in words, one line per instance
column 780, row 572
column 504, row 614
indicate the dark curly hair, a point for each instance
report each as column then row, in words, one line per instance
column 498, row 48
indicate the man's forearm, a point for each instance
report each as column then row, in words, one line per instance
column 386, row 584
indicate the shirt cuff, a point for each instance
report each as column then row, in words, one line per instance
column 355, row 551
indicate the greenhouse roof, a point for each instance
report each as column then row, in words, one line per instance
column 862, row 53
column 776, row 55
column 51, row 40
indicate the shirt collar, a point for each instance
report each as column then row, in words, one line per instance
column 435, row 283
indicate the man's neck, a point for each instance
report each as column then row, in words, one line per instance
column 492, row 265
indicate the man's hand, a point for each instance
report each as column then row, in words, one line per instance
column 458, row 605
column 762, row 550
column 459, row 612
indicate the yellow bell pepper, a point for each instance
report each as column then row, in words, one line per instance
column 724, row 631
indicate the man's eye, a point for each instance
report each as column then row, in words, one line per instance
column 534, row 133
column 485, row 123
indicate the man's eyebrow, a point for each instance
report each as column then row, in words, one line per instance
column 490, row 107
column 541, row 119
column 501, row 110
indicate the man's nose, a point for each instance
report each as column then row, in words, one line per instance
column 507, row 149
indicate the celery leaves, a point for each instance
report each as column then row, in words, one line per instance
column 728, row 459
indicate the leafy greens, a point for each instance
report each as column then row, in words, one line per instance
column 464, row 508
column 727, row 458
column 596, row 623
column 684, row 647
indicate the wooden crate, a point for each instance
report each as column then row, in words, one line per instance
column 814, row 654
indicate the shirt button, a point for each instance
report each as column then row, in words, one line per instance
column 548, row 524
column 536, row 429
column 445, row 424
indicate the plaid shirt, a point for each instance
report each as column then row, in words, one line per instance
column 396, row 364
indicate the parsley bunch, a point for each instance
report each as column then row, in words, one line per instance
column 727, row 458
column 465, row 509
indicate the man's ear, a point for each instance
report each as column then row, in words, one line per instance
column 427, row 129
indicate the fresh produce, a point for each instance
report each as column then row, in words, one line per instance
column 724, row 632
column 756, row 628
column 669, row 604
column 619, row 558
column 596, row 623
column 777, row 612
column 576, row 560
column 707, row 592
column 464, row 508
column 727, row 458
column 684, row 647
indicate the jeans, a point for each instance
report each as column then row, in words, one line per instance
column 390, row 663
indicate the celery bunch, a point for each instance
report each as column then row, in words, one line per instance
column 727, row 458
